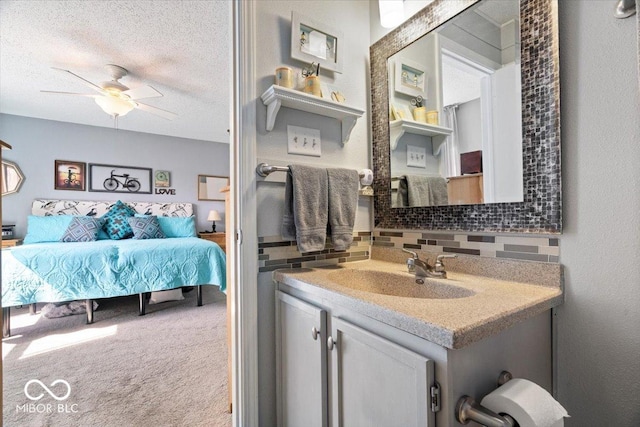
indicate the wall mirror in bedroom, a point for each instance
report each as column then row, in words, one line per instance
column 466, row 118
column 12, row 177
column 210, row 187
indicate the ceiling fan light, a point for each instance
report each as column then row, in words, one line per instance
column 114, row 106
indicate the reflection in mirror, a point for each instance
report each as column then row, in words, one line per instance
column 210, row 187
column 12, row 178
column 456, row 113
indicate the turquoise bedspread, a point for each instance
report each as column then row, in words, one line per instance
column 54, row 272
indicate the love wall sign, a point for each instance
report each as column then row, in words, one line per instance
column 162, row 181
column 169, row 191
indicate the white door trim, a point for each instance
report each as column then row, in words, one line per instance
column 243, row 258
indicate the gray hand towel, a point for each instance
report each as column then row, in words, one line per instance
column 306, row 207
column 343, row 201
column 426, row 190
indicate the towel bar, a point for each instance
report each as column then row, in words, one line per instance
column 264, row 169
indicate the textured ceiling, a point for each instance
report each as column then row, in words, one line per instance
column 181, row 48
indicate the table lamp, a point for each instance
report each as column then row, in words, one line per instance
column 213, row 217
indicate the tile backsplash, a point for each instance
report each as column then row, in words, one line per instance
column 542, row 249
column 274, row 252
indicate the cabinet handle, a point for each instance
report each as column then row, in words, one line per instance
column 330, row 343
column 314, row 333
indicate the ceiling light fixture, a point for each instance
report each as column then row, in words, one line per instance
column 391, row 12
column 114, row 106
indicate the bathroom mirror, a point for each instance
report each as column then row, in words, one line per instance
column 540, row 208
column 462, row 142
column 12, row 177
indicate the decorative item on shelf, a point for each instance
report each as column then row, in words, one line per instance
column 420, row 114
column 213, row 217
column 284, row 77
column 312, row 79
column 432, row 117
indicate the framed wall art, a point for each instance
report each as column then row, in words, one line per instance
column 119, row 179
column 312, row 41
column 162, row 178
column 69, row 175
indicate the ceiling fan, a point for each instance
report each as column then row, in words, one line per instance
column 116, row 99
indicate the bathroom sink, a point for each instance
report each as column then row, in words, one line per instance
column 396, row 284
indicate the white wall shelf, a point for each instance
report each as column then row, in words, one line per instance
column 278, row 96
column 397, row 128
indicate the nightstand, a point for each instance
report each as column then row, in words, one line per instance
column 9, row 243
column 219, row 238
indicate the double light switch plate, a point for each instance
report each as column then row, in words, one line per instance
column 304, row 141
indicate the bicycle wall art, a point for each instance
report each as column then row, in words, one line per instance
column 119, row 179
column 69, row 175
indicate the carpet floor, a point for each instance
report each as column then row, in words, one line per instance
column 165, row 369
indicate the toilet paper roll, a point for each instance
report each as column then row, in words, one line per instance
column 367, row 179
column 528, row 403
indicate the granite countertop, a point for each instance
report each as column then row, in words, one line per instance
column 452, row 323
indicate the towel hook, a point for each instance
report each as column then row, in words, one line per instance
column 625, row 8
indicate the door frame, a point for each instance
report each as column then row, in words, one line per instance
column 242, row 256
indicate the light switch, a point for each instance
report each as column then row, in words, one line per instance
column 304, row 141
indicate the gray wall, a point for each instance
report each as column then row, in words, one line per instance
column 598, row 336
column 38, row 143
column 273, row 39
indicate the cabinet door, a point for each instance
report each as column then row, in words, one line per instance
column 301, row 363
column 375, row 382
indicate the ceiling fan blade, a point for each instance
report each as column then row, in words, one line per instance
column 142, row 92
column 85, row 81
column 157, row 111
column 70, row 93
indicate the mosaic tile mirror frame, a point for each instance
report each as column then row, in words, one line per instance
column 541, row 210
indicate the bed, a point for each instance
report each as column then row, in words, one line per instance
column 54, row 271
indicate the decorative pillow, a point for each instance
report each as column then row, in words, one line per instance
column 42, row 229
column 83, row 229
column 146, row 227
column 163, row 296
column 173, row 226
column 116, row 224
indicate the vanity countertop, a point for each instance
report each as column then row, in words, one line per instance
column 451, row 323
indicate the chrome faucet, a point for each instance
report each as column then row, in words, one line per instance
column 422, row 268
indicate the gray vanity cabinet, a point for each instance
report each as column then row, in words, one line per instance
column 377, row 382
column 301, row 359
column 368, row 379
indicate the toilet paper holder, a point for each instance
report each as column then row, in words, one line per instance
column 467, row 409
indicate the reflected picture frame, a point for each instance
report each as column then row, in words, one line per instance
column 307, row 47
column 410, row 78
